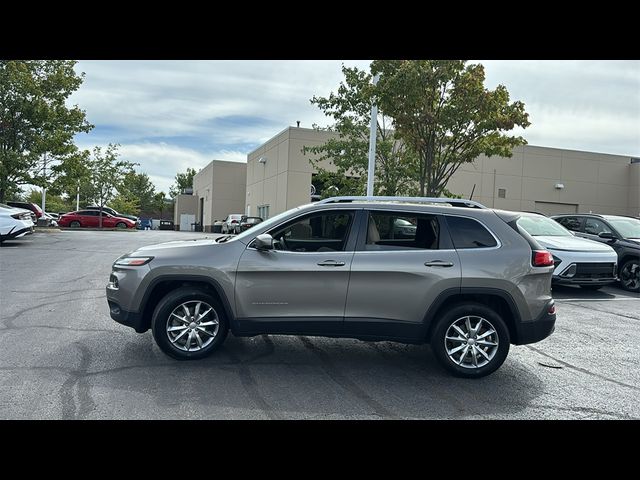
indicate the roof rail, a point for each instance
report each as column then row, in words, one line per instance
column 455, row 202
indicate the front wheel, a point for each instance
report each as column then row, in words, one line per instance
column 189, row 324
column 75, row 224
column 121, row 225
column 471, row 340
column 630, row 275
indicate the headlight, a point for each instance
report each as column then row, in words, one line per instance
column 133, row 261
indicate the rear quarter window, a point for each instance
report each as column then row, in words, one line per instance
column 469, row 233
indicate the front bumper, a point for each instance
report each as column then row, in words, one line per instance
column 130, row 319
column 538, row 329
column 557, row 280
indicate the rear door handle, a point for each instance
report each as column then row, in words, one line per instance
column 438, row 263
column 331, row 263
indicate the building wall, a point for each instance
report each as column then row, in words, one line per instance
column 283, row 180
column 595, row 182
column 184, row 204
column 223, row 186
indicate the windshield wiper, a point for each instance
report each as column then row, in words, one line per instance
column 223, row 239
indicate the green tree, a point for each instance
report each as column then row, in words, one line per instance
column 107, row 173
column 137, row 188
column 125, row 203
column 348, row 150
column 36, row 124
column 55, row 203
column 72, row 176
column 182, row 181
column 443, row 112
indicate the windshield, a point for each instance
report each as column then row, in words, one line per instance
column 627, row 227
column 538, row 226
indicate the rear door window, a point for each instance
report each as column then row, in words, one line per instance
column 469, row 233
column 402, row 231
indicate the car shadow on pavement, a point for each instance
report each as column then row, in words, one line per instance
column 288, row 377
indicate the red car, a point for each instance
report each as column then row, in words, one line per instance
column 91, row 219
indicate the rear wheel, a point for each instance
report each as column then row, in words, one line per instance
column 471, row 340
column 189, row 324
column 75, row 224
column 630, row 275
column 591, row 287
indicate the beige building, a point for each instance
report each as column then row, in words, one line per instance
column 220, row 189
column 184, row 211
column 548, row 180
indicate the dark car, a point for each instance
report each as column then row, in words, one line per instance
column 246, row 223
column 91, row 219
column 166, row 225
column 37, row 211
column 620, row 232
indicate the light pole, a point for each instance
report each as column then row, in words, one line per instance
column 372, row 141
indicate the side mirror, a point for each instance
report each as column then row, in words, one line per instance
column 607, row 235
column 263, row 241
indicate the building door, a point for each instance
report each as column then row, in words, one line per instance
column 553, row 208
column 201, row 221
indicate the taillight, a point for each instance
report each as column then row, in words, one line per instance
column 542, row 258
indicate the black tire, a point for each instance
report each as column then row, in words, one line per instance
column 161, row 317
column 456, row 313
column 121, row 225
column 629, row 275
column 592, row 287
column 75, row 224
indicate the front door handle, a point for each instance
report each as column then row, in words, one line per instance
column 331, row 263
column 438, row 263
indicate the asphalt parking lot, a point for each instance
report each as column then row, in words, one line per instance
column 62, row 357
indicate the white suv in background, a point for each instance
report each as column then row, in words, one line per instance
column 231, row 222
column 577, row 261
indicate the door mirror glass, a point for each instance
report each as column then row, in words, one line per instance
column 263, row 242
column 608, row 235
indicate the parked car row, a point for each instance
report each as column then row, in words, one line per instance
column 237, row 223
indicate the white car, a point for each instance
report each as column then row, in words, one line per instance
column 230, row 223
column 577, row 261
column 14, row 222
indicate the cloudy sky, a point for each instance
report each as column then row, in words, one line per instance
column 170, row 115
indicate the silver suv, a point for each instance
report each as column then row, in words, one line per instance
column 462, row 277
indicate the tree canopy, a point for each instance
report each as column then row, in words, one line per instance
column 442, row 111
column 182, row 181
column 434, row 116
column 35, row 120
column 348, row 150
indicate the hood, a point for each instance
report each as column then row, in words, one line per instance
column 200, row 242
column 573, row 244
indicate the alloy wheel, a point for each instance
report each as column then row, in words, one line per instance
column 192, row 326
column 471, row 342
column 630, row 275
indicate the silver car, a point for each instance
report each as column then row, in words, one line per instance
column 578, row 261
column 468, row 280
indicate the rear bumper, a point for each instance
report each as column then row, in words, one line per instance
column 538, row 329
column 130, row 319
